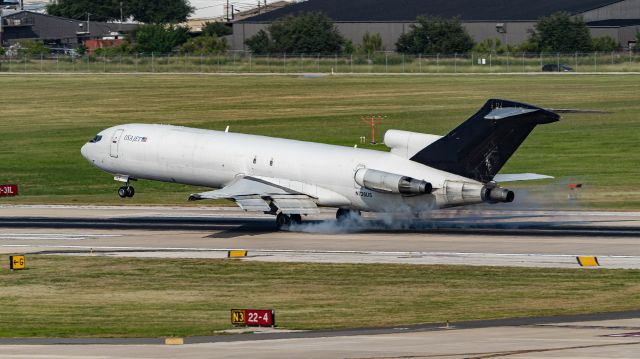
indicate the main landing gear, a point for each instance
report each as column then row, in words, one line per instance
column 344, row 214
column 285, row 220
column 126, row 191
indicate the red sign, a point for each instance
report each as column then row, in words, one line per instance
column 8, row 190
column 253, row 317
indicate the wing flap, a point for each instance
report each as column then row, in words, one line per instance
column 256, row 194
column 292, row 204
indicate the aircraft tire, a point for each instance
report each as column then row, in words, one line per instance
column 130, row 191
column 282, row 220
column 343, row 213
column 122, row 192
column 296, row 218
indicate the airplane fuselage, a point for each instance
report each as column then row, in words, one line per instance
column 214, row 159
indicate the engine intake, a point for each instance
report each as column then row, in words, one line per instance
column 380, row 181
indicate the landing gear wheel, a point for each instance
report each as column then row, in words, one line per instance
column 282, row 220
column 296, row 218
column 343, row 214
column 130, row 191
column 122, row 192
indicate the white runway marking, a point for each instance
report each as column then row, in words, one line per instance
column 316, row 256
column 55, row 236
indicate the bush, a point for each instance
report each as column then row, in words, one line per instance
column 32, row 48
column 205, row 45
column 371, row 43
column 491, row 46
column 435, row 35
column 604, row 44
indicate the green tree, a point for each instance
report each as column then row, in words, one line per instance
column 636, row 48
column 301, row 33
column 561, row 32
column 159, row 11
column 100, row 10
column 158, row 38
column 604, row 44
column 216, row 28
column 205, row 45
column 260, row 43
column 371, row 43
column 435, row 35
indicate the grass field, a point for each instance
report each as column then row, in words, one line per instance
column 46, row 119
column 100, row 296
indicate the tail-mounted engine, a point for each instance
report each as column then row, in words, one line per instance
column 386, row 182
column 459, row 193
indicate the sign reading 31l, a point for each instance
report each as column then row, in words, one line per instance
column 8, row 190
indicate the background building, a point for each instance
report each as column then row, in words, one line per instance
column 54, row 31
column 507, row 20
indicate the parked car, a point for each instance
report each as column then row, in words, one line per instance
column 556, row 68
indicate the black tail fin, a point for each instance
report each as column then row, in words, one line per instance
column 480, row 146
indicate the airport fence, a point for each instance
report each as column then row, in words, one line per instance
column 379, row 62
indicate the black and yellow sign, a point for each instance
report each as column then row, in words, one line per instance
column 588, row 261
column 238, row 317
column 16, row 262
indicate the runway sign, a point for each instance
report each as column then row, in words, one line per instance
column 588, row 261
column 174, row 341
column 237, row 253
column 253, row 317
column 17, row 262
column 8, row 190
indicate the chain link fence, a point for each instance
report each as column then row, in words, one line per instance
column 379, row 62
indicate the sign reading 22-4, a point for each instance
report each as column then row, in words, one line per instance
column 253, row 317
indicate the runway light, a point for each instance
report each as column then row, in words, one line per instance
column 588, row 261
column 237, row 253
column 173, row 341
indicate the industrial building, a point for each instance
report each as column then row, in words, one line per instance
column 507, row 20
column 54, row 31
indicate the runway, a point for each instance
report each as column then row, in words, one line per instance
column 472, row 237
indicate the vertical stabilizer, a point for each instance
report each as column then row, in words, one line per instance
column 480, row 146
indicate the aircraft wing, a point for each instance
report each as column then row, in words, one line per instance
column 519, row 177
column 256, row 194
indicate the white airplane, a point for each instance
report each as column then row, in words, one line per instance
column 289, row 178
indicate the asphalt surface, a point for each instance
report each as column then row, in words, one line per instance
column 482, row 237
column 474, row 237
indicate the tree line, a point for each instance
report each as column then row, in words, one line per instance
column 316, row 33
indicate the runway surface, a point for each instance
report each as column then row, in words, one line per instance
column 483, row 237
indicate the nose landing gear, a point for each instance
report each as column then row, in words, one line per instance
column 126, row 191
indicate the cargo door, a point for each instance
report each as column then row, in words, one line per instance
column 115, row 141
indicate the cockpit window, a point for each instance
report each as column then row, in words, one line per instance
column 96, row 139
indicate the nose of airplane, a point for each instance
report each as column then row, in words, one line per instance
column 85, row 152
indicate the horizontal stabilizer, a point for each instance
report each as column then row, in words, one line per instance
column 519, row 177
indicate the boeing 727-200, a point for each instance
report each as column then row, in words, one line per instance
column 289, row 178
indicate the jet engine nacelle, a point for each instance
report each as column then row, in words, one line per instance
column 458, row 193
column 380, row 181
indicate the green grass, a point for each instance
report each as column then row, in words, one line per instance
column 126, row 297
column 47, row 118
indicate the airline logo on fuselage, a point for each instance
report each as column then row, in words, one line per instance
column 135, row 138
